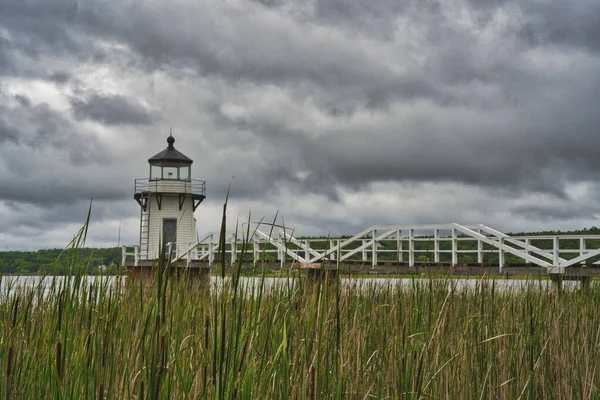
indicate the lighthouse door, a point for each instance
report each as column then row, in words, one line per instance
column 170, row 232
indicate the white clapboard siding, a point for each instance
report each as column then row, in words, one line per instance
column 186, row 224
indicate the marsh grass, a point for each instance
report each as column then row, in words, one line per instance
column 297, row 340
column 85, row 338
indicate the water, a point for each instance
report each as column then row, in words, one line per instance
column 8, row 284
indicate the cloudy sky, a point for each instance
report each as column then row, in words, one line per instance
column 338, row 114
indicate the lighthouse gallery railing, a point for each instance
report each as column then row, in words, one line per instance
column 190, row 186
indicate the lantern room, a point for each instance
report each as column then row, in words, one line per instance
column 170, row 164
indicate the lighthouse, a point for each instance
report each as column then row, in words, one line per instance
column 167, row 200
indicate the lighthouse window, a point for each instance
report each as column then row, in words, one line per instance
column 169, row 173
column 184, row 173
column 155, row 172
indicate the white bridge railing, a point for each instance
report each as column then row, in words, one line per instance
column 404, row 244
column 177, row 252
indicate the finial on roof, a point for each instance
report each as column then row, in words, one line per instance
column 171, row 139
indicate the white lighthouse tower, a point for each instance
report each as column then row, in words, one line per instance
column 168, row 199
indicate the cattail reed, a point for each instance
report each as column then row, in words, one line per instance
column 59, row 366
column 312, row 383
column 60, row 311
column 9, row 362
column 15, row 309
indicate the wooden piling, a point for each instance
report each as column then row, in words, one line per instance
column 557, row 280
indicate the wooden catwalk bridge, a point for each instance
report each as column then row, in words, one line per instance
column 411, row 247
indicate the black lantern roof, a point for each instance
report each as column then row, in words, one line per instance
column 170, row 155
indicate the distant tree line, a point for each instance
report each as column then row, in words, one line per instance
column 62, row 261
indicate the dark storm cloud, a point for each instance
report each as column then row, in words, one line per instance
column 567, row 24
column 110, row 109
column 72, row 212
column 39, row 126
column 60, row 77
column 38, row 29
column 360, row 13
column 32, row 32
column 517, row 149
column 5, row 57
column 358, row 17
column 8, row 133
column 556, row 213
column 554, row 22
column 543, row 162
column 49, row 161
column 59, row 191
column 23, row 100
column 527, row 154
column 338, row 75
